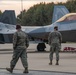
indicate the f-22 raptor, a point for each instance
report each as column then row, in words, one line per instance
column 65, row 21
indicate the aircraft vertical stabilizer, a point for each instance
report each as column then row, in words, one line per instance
column 58, row 12
column 8, row 17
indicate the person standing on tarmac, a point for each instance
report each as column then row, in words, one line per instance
column 20, row 44
column 54, row 40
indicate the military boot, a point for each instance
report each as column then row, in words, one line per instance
column 26, row 70
column 50, row 62
column 57, row 62
column 9, row 69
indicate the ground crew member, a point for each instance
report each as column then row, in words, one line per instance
column 54, row 40
column 20, row 44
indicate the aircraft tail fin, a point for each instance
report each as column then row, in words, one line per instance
column 8, row 17
column 59, row 11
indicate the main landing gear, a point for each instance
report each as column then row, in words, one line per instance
column 41, row 47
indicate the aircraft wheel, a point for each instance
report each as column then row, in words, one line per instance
column 41, row 47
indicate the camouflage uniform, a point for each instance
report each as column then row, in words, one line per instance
column 54, row 40
column 20, row 44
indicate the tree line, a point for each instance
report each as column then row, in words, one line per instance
column 41, row 14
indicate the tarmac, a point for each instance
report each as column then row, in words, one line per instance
column 39, row 61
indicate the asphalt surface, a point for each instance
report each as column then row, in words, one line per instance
column 38, row 61
column 31, row 72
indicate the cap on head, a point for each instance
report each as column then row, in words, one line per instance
column 18, row 26
column 56, row 27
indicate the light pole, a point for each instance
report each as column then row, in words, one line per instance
column 21, row 11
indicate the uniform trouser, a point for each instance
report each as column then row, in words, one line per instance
column 54, row 48
column 19, row 53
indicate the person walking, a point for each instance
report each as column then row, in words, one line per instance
column 20, row 45
column 54, row 40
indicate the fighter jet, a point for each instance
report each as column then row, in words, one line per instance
column 66, row 25
column 65, row 21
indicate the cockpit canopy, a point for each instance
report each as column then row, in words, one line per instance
column 67, row 17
